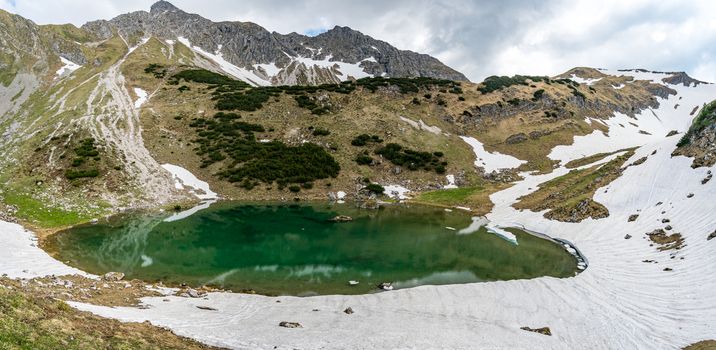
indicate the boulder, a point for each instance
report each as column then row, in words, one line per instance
column 113, row 276
column 287, row 324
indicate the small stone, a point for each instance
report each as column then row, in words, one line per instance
column 668, row 228
column 290, row 324
column 386, row 286
column 113, row 276
column 348, row 311
column 711, row 236
column 193, row 293
column 633, row 217
column 627, row 236
column 664, row 221
column 206, row 308
column 689, row 195
column 668, row 269
column 341, row 218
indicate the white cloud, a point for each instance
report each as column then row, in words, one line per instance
column 479, row 38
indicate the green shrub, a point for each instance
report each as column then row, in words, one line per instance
column 225, row 138
column 706, row 117
column 375, row 188
column 321, row 132
column 75, row 174
column 364, row 159
column 411, row 159
column 87, row 148
column 494, row 83
column 537, row 94
column 577, row 93
column 364, row 139
column 78, row 161
column 294, row 188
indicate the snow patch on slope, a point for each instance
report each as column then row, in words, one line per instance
column 421, row 125
column 20, row 257
column 345, row 69
column 587, row 81
column 396, row 192
column 491, row 161
column 141, row 97
column 649, row 125
column 67, row 68
column 226, row 66
column 184, row 178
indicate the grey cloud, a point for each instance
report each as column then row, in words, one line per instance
column 479, row 38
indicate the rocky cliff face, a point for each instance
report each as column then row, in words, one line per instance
column 274, row 58
column 700, row 141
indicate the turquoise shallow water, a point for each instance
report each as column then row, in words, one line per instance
column 284, row 249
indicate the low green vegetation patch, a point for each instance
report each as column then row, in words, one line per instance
column 476, row 198
column 412, row 159
column 375, row 188
column 451, row 197
column 231, row 94
column 364, row 139
column 308, row 102
column 494, row 83
column 41, row 213
column 246, row 161
column 321, row 132
column 204, row 76
column 157, row 70
column 706, row 117
column 86, row 152
column 408, row 85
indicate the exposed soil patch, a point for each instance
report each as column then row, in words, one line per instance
column 702, row 345
column 666, row 242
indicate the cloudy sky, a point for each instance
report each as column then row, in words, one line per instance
column 478, row 38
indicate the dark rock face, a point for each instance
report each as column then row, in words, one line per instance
column 701, row 143
column 682, row 78
column 247, row 44
column 516, row 138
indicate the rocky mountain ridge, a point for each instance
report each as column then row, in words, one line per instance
column 270, row 58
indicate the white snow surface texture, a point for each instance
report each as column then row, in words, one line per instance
column 618, row 302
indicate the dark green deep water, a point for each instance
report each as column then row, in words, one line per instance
column 286, row 249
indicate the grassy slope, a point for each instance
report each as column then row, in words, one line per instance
column 39, row 205
column 29, row 321
column 564, row 195
column 165, row 120
column 475, row 197
column 167, row 116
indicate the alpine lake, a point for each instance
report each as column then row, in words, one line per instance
column 298, row 249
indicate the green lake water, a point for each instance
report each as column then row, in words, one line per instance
column 285, row 249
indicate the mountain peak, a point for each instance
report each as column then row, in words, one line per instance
column 162, row 6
